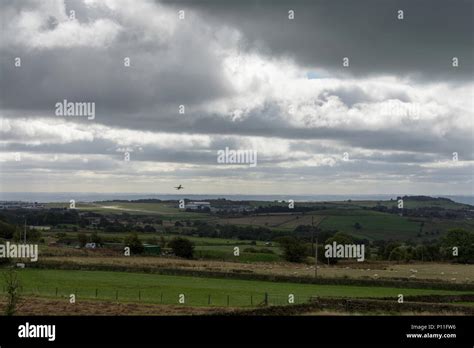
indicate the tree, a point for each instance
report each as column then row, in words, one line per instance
column 293, row 249
column 82, row 239
column 322, row 256
column 6, row 230
column 339, row 238
column 95, row 238
column 357, row 226
column 32, row 235
column 182, row 247
column 462, row 240
column 133, row 242
column 149, row 228
column 388, row 249
column 162, row 242
column 153, row 241
column 397, row 254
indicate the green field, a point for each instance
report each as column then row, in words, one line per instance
column 166, row 289
column 409, row 204
column 374, row 226
column 166, row 210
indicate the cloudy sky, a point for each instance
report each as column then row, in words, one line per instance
column 249, row 78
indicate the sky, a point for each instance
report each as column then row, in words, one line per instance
column 332, row 97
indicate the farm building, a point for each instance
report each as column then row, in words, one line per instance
column 198, row 205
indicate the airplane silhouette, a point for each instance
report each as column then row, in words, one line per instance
column 179, row 187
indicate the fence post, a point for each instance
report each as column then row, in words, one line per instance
column 266, row 299
column 251, row 300
column 161, row 299
column 209, row 300
column 56, row 292
column 96, row 292
column 116, row 294
column 227, row 300
column 139, row 295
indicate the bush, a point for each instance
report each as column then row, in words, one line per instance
column 322, row 256
column 182, row 247
column 6, row 230
column 95, row 238
column 82, row 239
column 162, row 242
column 149, row 228
column 32, row 235
column 13, row 291
column 152, row 241
column 293, row 249
column 397, row 254
column 257, row 250
column 133, row 242
column 464, row 241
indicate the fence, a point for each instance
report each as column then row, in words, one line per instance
column 370, row 306
column 218, row 299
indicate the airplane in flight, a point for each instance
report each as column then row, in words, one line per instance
column 179, row 187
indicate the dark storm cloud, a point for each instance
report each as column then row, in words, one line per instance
column 367, row 31
column 98, row 75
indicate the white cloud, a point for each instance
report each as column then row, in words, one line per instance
column 48, row 26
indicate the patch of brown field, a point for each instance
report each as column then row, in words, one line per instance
column 65, row 251
column 272, row 220
column 304, row 220
column 43, row 306
column 456, row 273
column 282, row 220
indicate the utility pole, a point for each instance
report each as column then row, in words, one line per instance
column 312, row 234
column 316, row 260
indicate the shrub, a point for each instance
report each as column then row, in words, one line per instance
column 82, row 239
column 182, row 247
column 13, row 291
column 293, row 249
column 133, row 242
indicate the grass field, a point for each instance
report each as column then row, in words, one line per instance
column 166, row 289
column 167, row 210
column 280, row 221
column 374, row 226
column 409, row 204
